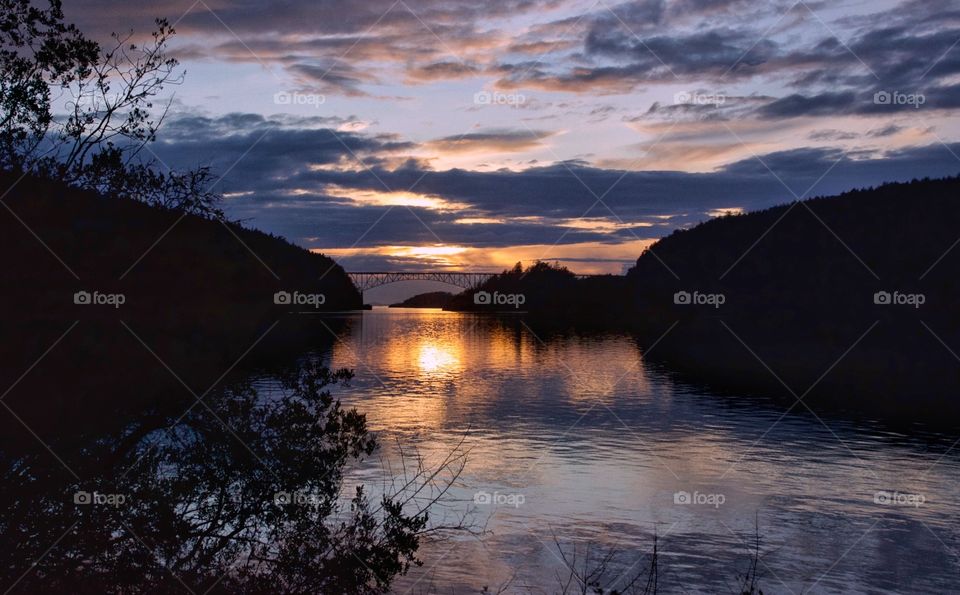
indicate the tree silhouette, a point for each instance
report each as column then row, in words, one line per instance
column 37, row 52
column 108, row 94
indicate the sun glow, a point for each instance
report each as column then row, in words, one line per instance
column 391, row 199
column 436, row 358
column 587, row 257
column 429, row 251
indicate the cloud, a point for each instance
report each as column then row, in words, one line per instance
column 335, row 45
column 888, row 130
column 817, row 63
column 823, row 104
column 332, row 77
column 818, row 74
column 395, row 201
column 798, row 82
column 492, row 141
column 832, row 135
column 443, row 71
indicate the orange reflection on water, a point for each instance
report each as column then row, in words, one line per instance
column 436, row 357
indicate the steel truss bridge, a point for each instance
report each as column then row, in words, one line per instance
column 369, row 280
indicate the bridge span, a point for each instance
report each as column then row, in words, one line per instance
column 465, row 280
column 365, row 280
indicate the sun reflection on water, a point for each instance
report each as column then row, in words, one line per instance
column 436, row 358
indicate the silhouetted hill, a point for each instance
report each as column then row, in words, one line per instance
column 433, row 299
column 860, row 289
column 198, row 293
column 548, row 294
column 166, row 260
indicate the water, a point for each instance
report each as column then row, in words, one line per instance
column 582, row 446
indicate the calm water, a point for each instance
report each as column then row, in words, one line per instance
column 581, row 443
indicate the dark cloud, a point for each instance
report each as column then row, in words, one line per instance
column 824, row 104
column 332, row 77
column 302, row 17
column 612, row 49
column 279, row 146
column 906, row 50
column 832, row 135
column 330, row 44
column 317, row 179
column 277, row 185
column 702, row 105
column 888, row 130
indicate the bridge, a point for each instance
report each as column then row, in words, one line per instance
column 465, row 280
column 368, row 280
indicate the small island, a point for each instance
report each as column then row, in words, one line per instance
column 433, row 299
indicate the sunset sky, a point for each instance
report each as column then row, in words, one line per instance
column 416, row 134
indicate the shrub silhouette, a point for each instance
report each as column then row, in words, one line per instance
column 241, row 495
